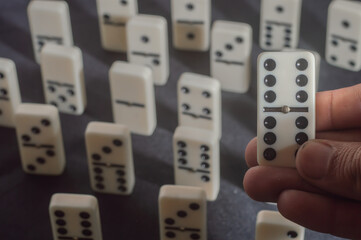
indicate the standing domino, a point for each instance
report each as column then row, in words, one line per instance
column 231, row 55
column 9, row 92
column 343, row 46
column 196, row 159
column 113, row 16
column 110, row 158
column 132, row 94
column 199, row 102
column 147, row 38
column 286, row 100
column 191, row 23
column 280, row 24
column 75, row 216
column 63, row 78
column 40, row 139
column 272, row 225
column 182, row 213
column 49, row 22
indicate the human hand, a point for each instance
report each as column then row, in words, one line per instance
column 323, row 193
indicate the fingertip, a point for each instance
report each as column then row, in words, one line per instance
column 312, row 159
column 251, row 153
column 287, row 202
column 250, row 183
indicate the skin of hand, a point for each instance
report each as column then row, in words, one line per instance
column 323, row 193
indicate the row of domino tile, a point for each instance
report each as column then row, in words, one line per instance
column 279, row 29
column 145, row 37
column 182, row 215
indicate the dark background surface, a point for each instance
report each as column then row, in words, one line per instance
column 24, row 199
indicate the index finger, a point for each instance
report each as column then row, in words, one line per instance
column 339, row 109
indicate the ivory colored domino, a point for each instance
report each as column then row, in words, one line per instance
column 63, row 78
column 40, row 139
column 280, row 24
column 110, row 158
column 343, row 41
column 10, row 97
column 113, row 17
column 132, row 94
column 231, row 55
column 147, row 37
column 182, row 213
column 75, row 216
column 191, row 24
column 49, row 22
column 286, row 100
column 199, row 102
column 197, row 159
column 271, row 225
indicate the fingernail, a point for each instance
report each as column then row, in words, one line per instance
column 313, row 159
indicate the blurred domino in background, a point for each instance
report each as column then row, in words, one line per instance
column 191, row 24
column 63, row 78
column 110, row 158
column 231, row 55
column 182, row 213
column 133, row 98
column 197, row 159
column 280, row 24
column 271, row 225
column 10, row 97
column 40, row 139
column 49, row 22
column 199, row 102
column 148, row 45
column 343, row 41
column 75, row 216
column 113, row 17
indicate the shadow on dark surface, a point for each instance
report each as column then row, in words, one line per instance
column 242, row 109
column 167, row 118
column 153, row 171
column 16, row 38
column 233, row 168
column 316, row 39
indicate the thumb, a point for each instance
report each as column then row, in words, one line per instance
column 332, row 166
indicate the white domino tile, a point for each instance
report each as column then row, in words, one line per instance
column 191, row 24
column 110, row 158
column 40, row 140
column 147, row 38
column 63, row 78
column 49, row 22
column 280, row 24
column 197, row 159
column 132, row 94
column 271, row 225
column 113, row 17
column 10, row 97
column 199, row 102
column 343, row 41
column 182, row 213
column 75, row 216
column 286, row 106
column 231, row 55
